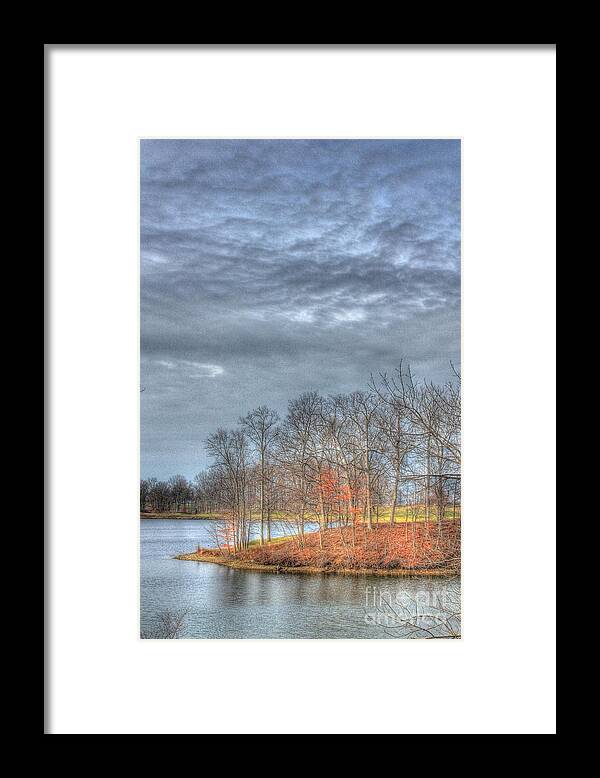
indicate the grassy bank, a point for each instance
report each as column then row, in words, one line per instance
column 173, row 515
column 404, row 514
column 240, row 564
column 409, row 550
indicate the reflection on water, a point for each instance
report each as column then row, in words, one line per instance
column 226, row 603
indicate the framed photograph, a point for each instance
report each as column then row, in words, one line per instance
column 301, row 311
column 311, row 502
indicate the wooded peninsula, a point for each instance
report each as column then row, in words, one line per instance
column 361, row 482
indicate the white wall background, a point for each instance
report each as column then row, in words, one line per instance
column 500, row 677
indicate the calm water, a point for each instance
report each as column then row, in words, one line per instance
column 226, row 603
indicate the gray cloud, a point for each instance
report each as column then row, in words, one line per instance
column 272, row 267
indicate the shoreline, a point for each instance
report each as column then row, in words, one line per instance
column 243, row 564
column 180, row 517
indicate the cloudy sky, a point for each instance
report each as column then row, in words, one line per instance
column 274, row 267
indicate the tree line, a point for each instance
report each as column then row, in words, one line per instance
column 335, row 460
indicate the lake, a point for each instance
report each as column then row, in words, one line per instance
column 224, row 603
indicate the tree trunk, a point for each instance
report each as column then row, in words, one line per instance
column 368, row 490
column 428, row 482
column 394, row 498
column 262, row 497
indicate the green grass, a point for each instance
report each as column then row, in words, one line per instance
column 274, row 541
column 402, row 515
column 175, row 515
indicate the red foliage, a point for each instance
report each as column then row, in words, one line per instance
column 338, row 496
column 226, row 535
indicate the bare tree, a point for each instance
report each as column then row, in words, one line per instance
column 432, row 416
column 362, row 409
column 170, row 625
column 180, row 492
column 261, row 427
column 230, row 451
column 295, row 452
column 398, row 443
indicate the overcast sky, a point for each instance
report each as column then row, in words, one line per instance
column 273, row 267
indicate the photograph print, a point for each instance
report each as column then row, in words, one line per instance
column 300, row 388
